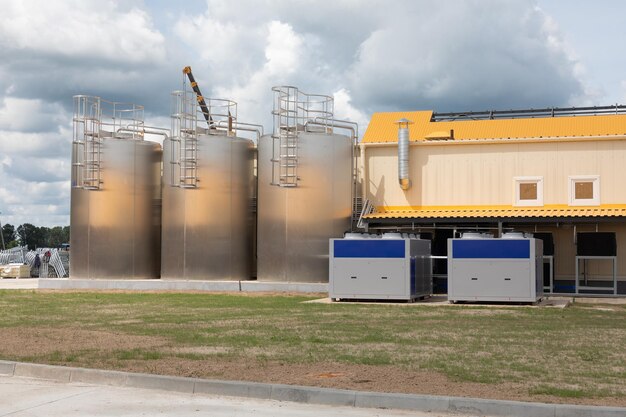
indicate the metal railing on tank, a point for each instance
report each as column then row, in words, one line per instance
column 219, row 117
column 292, row 110
column 95, row 119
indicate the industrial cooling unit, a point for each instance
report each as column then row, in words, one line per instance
column 508, row 269
column 389, row 268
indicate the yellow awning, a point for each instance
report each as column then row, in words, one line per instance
column 458, row 212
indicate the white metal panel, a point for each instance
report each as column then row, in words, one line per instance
column 502, row 279
column 369, row 278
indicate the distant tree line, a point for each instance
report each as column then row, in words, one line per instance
column 35, row 237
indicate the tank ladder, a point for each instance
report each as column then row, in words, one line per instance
column 286, row 162
column 184, row 141
column 285, row 138
column 94, row 120
column 292, row 111
column 189, row 163
column 188, row 158
column 87, row 143
column 188, row 108
column 93, row 158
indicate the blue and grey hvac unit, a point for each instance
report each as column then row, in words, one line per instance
column 487, row 269
column 368, row 267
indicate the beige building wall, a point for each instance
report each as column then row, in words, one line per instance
column 482, row 174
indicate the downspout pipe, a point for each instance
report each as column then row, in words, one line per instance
column 403, row 153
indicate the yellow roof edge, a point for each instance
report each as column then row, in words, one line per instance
column 382, row 127
column 384, row 209
column 554, row 210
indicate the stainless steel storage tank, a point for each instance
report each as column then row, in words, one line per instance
column 115, row 198
column 207, row 195
column 305, row 188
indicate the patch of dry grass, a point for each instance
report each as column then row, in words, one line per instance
column 573, row 353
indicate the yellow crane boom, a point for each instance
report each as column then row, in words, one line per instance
column 201, row 102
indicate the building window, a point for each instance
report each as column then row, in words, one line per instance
column 528, row 191
column 584, row 190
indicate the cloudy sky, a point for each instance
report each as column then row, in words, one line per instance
column 371, row 55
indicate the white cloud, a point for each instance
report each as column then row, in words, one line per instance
column 82, row 29
column 28, row 115
column 40, row 203
column 228, row 48
column 477, row 55
column 39, row 169
column 283, row 52
column 344, row 110
column 50, row 144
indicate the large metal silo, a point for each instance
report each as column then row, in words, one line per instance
column 305, row 189
column 207, row 193
column 116, row 197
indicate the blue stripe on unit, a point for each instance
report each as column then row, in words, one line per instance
column 498, row 248
column 369, row 248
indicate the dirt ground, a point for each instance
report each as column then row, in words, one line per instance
column 56, row 344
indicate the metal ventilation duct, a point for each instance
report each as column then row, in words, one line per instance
column 403, row 153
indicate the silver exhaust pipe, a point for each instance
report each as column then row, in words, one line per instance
column 403, row 153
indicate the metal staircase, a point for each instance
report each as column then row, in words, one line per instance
column 357, row 208
column 367, row 208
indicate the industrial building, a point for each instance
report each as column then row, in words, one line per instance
column 555, row 173
column 426, row 202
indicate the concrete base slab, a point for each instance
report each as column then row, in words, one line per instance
column 19, row 283
column 298, row 287
column 442, row 300
column 600, row 300
column 179, row 285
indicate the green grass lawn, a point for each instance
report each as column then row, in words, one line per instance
column 576, row 352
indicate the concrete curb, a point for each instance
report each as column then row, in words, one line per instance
column 302, row 394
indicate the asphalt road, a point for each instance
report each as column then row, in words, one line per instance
column 24, row 397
